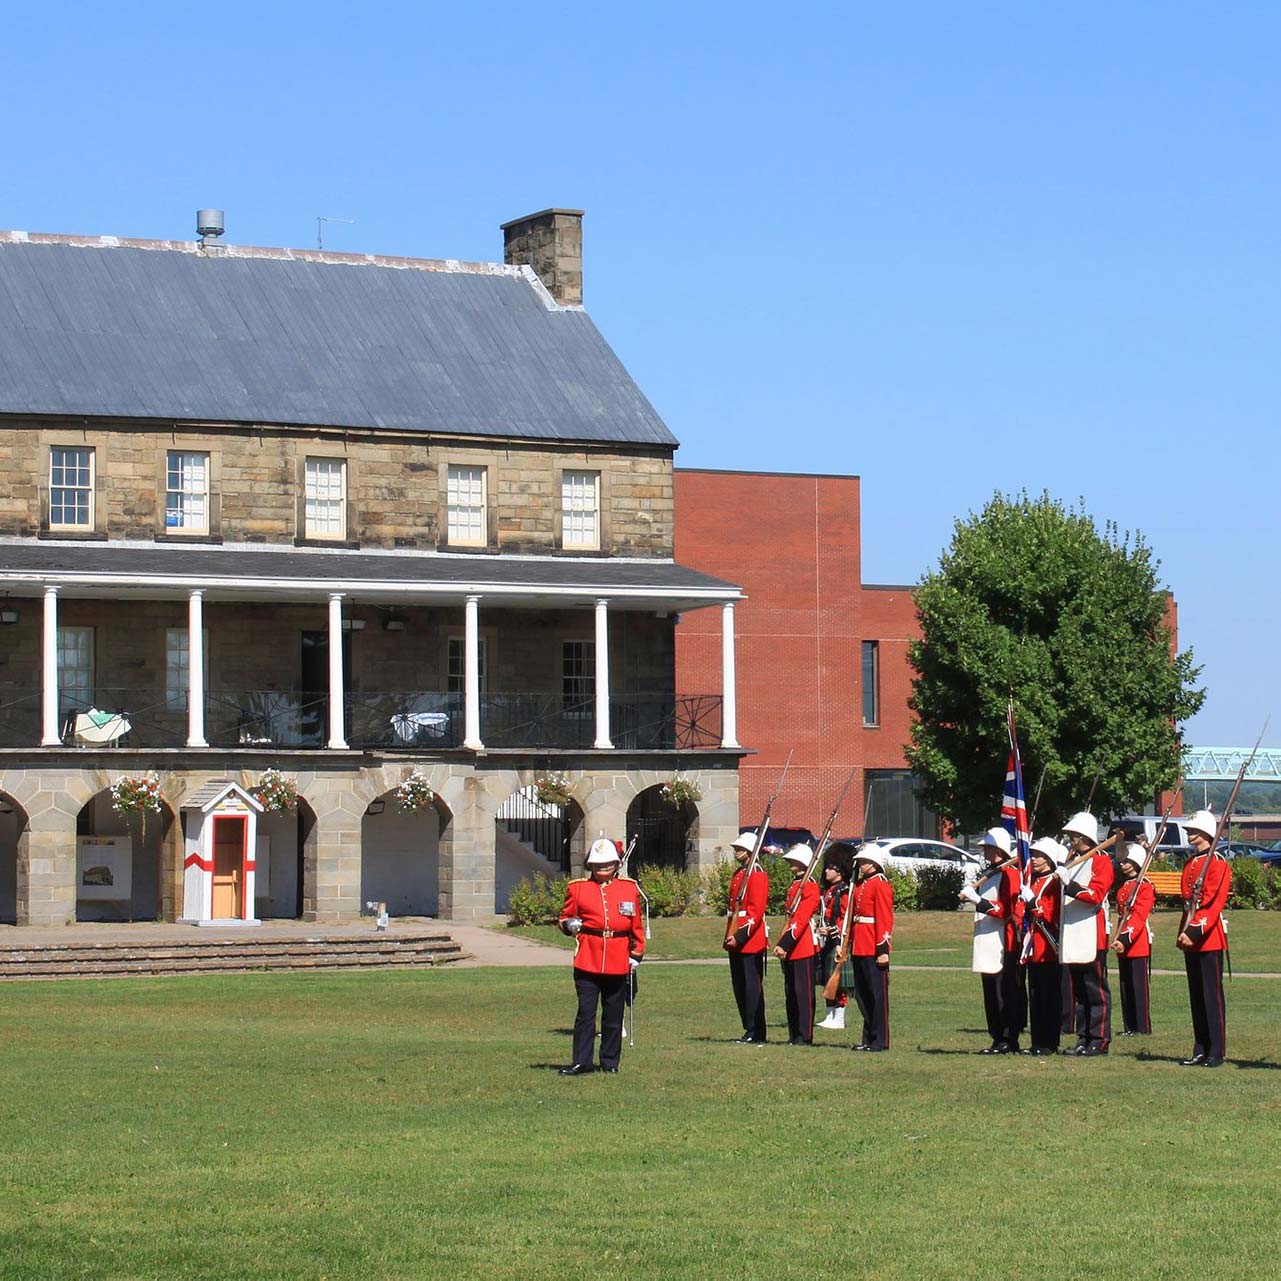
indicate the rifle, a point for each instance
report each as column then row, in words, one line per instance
column 823, row 840
column 1138, row 880
column 622, row 871
column 1036, row 800
column 735, row 903
column 833, row 984
column 1194, row 903
column 1098, row 849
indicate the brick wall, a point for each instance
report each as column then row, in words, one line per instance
column 395, row 485
column 793, row 543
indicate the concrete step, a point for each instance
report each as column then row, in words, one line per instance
column 226, row 955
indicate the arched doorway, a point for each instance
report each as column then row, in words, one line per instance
column 283, row 838
column 664, row 834
column 13, row 839
column 533, row 837
column 120, row 862
column 400, row 856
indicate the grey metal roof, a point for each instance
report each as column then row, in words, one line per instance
column 124, row 568
column 159, row 329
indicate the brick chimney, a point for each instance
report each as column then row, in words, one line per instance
column 551, row 242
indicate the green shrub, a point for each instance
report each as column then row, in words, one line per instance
column 1249, row 884
column 938, row 887
column 671, row 892
column 537, row 902
column 780, row 873
column 716, row 885
column 1162, row 864
column 1273, row 899
column 906, row 891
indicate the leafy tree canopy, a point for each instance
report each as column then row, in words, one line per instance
column 1031, row 600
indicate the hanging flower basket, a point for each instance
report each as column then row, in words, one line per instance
column 681, row 791
column 278, row 794
column 552, row 789
column 136, row 794
column 415, row 794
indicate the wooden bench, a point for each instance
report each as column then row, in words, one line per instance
column 1167, row 884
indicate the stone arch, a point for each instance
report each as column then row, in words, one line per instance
column 285, row 839
column 400, row 853
column 100, row 889
column 533, row 837
column 666, row 836
column 15, row 830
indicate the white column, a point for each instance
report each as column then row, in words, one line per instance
column 729, row 691
column 49, row 671
column 196, row 671
column 471, row 676
column 337, row 732
column 602, row 675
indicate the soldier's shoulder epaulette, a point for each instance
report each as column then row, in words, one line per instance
column 625, row 880
column 578, row 880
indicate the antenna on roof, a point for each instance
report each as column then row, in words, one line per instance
column 320, row 228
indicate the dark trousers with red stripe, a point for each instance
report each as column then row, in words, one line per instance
column 798, row 993
column 1092, row 999
column 1209, row 1014
column 1132, row 978
column 872, row 992
column 1005, row 1001
column 1044, row 1004
column 747, row 973
column 610, row 991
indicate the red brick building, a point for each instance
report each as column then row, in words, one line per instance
column 821, row 657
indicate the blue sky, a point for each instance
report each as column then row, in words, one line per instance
column 951, row 248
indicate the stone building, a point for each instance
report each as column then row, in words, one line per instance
column 354, row 519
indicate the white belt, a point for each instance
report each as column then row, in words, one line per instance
column 866, row 920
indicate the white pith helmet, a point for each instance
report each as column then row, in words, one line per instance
column 799, row 854
column 1131, row 852
column 744, row 841
column 1051, row 849
column 1204, row 822
column 602, row 852
column 1083, row 824
column 998, row 837
column 872, row 854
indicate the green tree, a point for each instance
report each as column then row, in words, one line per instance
column 1030, row 600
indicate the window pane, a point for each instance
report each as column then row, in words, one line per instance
column 70, row 486
column 75, row 667
column 326, row 485
column 871, row 683
column 578, row 676
column 178, row 663
column 186, row 491
column 580, row 508
column 456, row 673
column 465, row 502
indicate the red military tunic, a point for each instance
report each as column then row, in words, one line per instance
column 1007, row 906
column 1102, row 874
column 872, row 916
column 1044, row 914
column 797, row 938
column 1134, row 937
column 1205, row 926
column 750, row 915
column 612, row 928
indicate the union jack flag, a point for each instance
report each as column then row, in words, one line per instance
column 1014, row 802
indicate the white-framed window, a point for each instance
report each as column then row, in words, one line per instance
column 325, row 498
column 465, row 500
column 580, row 509
column 456, row 664
column 178, row 664
column 187, row 491
column 70, row 487
column 578, row 678
column 75, row 668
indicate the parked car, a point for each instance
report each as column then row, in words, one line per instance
column 1145, row 825
column 912, row 854
column 1243, row 849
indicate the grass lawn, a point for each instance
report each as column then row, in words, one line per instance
column 944, row 938
column 409, row 1125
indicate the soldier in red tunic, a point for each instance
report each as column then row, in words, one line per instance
column 1087, row 886
column 797, row 947
column 1042, row 903
column 1135, row 898
column 871, row 928
column 602, row 915
column 746, row 945
column 1207, row 880
column 838, row 866
column 998, row 943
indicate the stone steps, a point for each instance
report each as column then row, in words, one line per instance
column 402, row 950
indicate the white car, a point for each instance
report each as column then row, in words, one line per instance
column 911, row 854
